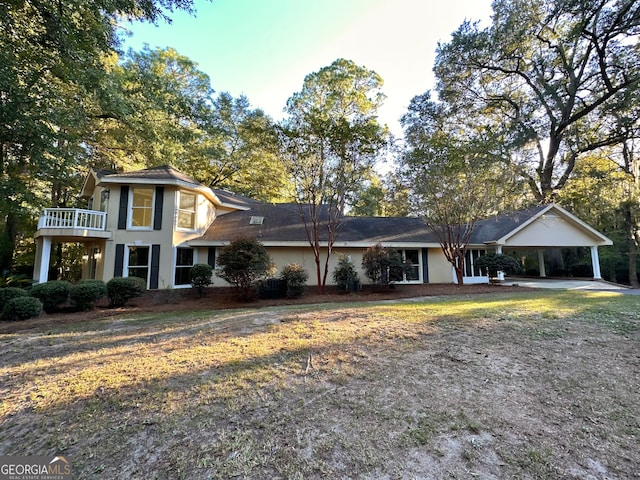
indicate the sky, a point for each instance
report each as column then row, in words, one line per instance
column 263, row 49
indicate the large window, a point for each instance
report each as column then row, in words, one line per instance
column 184, row 262
column 470, row 267
column 410, row 272
column 187, row 210
column 138, row 262
column 141, row 207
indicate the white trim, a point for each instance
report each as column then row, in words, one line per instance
column 125, row 260
column 175, row 264
column 195, row 211
column 130, row 225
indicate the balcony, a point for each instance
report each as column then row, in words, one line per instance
column 73, row 223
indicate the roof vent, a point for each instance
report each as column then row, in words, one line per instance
column 256, row 220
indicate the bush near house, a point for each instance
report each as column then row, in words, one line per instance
column 244, row 262
column 8, row 293
column 200, row 276
column 122, row 289
column 52, row 294
column 497, row 262
column 86, row 293
column 345, row 275
column 21, row 308
column 376, row 262
column 295, row 277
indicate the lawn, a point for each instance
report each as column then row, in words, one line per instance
column 523, row 385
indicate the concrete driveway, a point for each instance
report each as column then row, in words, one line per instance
column 571, row 284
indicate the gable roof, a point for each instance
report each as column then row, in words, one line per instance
column 551, row 222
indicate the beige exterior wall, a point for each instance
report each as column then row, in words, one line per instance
column 550, row 230
column 439, row 268
column 168, row 238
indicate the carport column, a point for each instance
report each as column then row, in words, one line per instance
column 543, row 272
column 43, row 255
column 595, row 262
column 500, row 273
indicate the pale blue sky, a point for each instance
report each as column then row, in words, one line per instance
column 264, row 48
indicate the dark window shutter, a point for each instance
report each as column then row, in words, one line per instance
column 124, row 204
column 119, row 263
column 211, row 260
column 155, row 266
column 157, row 213
column 425, row 265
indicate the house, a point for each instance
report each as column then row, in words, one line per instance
column 156, row 223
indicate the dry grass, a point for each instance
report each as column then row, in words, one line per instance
column 521, row 385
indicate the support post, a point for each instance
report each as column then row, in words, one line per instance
column 543, row 271
column 595, row 263
column 500, row 272
column 43, row 257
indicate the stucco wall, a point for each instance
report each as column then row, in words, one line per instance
column 551, row 230
column 439, row 268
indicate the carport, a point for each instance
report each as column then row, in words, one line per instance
column 540, row 229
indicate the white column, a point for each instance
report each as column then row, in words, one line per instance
column 543, row 271
column 595, row 263
column 500, row 272
column 41, row 274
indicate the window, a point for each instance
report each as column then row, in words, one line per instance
column 141, row 207
column 138, row 262
column 184, row 262
column 410, row 272
column 187, row 210
column 104, row 199
column 470, row 269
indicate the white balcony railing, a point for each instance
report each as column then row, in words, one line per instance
column 73, row 218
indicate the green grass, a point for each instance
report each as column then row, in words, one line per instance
column 310, row 391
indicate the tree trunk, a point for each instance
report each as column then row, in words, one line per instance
column 7, row 245
column 632, row 236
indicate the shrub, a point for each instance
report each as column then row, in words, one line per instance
column 295, row 277
column 377, row 261
column 497, row 262
column 22, row 308
column 122, row 289
column 86, row 293
column 200, row 276
column 345, row 275
column 8, row 293
column 52, row 294
column 242, row 263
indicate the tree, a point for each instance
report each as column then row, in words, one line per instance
column 454, row 183
column 604, row 191
column 243, row 262
column 329, row 142
column 547, row 79
column 166, row 104
column 377, row 261
column 243, row 154
column 52, row 85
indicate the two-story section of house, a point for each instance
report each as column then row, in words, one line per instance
column 136, row 224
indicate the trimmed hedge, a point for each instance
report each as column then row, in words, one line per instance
column 52, row 294
column 200, row 276
column 21, row 308
column 295, row 276
column 86, row 293
column 122, row 289
column 8, row 293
